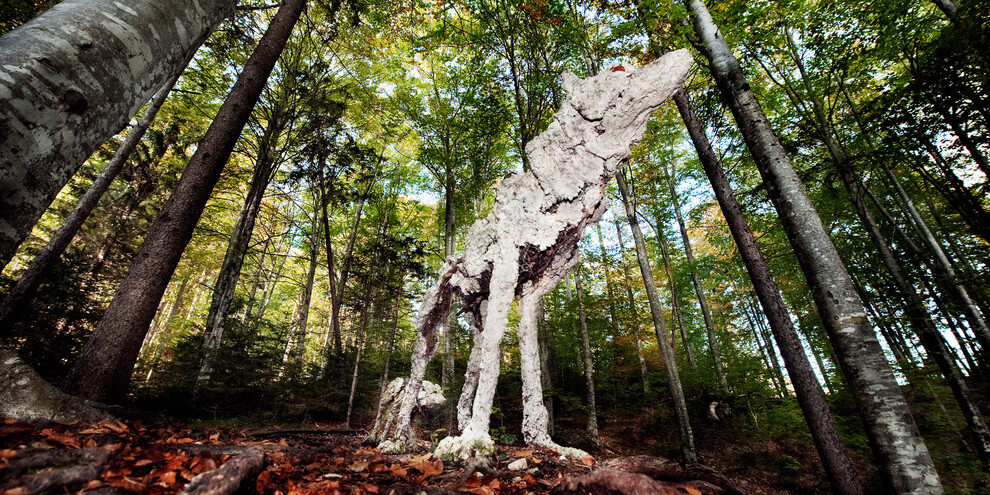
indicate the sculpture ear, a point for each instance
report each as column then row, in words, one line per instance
column 568, row 81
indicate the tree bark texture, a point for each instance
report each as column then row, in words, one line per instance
column 71, row 79
column 103, row 369
column 27, row 397
column 667, row 350
column 835, row 459
column 901, row 454
column 31, row 279
column 227, row 479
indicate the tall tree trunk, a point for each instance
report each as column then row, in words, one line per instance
column 699, row 290
column 166, row 327
column 302, row 321
column 83, row 68
column 21, row 292
column 612, row 315
column 589, row 363
column 345, row 270
column 677, row 316
column 835, row 459
column 670, row 363
column 102, row 371
column 901, row 454
column 921, row 321
column 237, row 246
column 369, row 312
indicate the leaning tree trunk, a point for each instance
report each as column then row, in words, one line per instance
column 103, row 369
column 589, row 363
column 901, row 454
column 31, row 279
column 71, row 79
column 699, row 290
column 835, row 458
column 670, row 363
column 237, row 246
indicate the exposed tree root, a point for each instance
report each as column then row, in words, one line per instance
column 614, row 482
column 227, row 479
column 49, row 470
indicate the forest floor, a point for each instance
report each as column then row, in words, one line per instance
column 164, row 456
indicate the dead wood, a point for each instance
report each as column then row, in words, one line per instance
column 615, row 482
column 227, row 479
column 54, row 469
column 666, row 470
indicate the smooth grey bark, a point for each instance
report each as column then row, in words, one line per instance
column 901, row 454
column 72, row 78
column 27, row 397
column 611, row 311
column 921, row 321
column 589, row 363
column 666, row 350
column 237, row 246
column 699, row 290
column 103, row 369
column 31, row 279
column 388, row 353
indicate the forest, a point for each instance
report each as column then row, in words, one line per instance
column 235, row 223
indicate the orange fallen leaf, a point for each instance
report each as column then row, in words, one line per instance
column 21, row 490
column 588, row 461
column 263, row 482
column 524, row 453
column 215, row 437
column 94, row 484
column 479, row 490
column 368, row 487
column 429, row 469
column 358, row 466
column 8, row 453
column 690, row 489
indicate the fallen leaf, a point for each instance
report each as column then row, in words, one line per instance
column 398, row 470
column 524, row 453
column 129, row 484
column 495, row 485
column 429, row 469
column 16, row 491
column 94, row 484
column 421, row 458
column 480, row 490
column 166, row 480
column 8, row 453
column 358, row 466
column 588, row 461
column 60, row 438
column 263, row 482
column 215, row 437
column 690, row 489
column 368, row 487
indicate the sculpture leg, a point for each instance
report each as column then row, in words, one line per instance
column 474, row 440
column 535, row 426
column 423, row 352
column 470, row 378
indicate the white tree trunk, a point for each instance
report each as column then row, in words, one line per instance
column 72, row 78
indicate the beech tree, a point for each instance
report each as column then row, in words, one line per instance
column 79, row 79
column 901, row 453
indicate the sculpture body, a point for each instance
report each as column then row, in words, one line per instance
column 529, row 241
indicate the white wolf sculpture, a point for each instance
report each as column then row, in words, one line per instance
column 529, row 241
